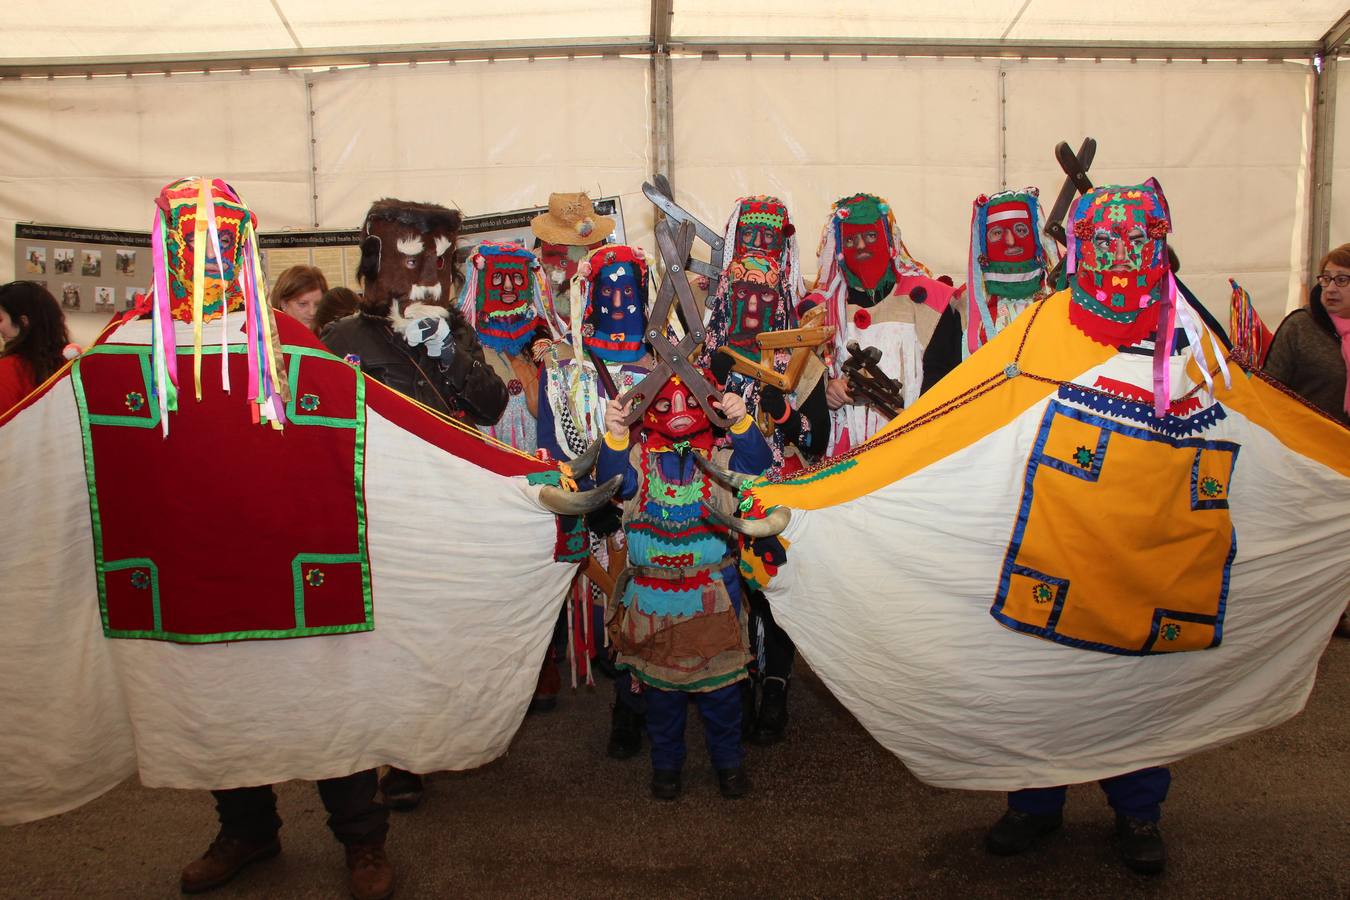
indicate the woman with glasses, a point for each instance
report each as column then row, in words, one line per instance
column 1312, row 346
column 1311, row 351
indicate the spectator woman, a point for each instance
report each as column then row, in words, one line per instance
column 297, row 293
column 1311, row 349
column 34, row 334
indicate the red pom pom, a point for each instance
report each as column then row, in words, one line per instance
column 1157, row 227
column 862, row 319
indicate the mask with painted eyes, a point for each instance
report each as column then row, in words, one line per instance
column 865, row 242
column 675, row 415
column 1007, row 248
column 1118, row 252
column 503, row 283
column 755, row 302
column 183, row 240
column 762, row 226
column 616, row 309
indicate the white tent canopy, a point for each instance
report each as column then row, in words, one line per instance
column 312, row 110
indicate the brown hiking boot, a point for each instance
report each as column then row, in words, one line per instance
column 223, row 860
column 372, row 877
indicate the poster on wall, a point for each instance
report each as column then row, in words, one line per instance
column 85, row 269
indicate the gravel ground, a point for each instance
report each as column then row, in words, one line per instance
column 830, row 814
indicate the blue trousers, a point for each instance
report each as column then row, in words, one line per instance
column 1139, row 795
column 721, row 712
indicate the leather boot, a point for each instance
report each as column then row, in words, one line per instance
column 371, row 877
column 1141, row 845
column 772, row 719
column 625, row 733
column 223, row 860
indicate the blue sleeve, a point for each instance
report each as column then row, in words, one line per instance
column 750, row 453
column 615, row 462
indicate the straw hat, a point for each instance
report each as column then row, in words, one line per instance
column 571, row 219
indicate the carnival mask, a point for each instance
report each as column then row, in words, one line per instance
column 499, row 295
column 867, row 252
column 1121, row 238
column 180, row 202
column 616, row 315
column 407, row 255
column 1008, row 235
column 507, row 286
column 762, row 226
column 1120, row 245
column 559, row 261
column 675, row 414
column 754, row 300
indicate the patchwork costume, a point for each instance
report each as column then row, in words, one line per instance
column 759, row 292
column 678, row 618
column 879, row 296
column 508, row 303
column 1010, row 262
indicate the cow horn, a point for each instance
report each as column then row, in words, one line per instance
column 578, row 503
column 769, row 526
column 581, row 465
column 734, row 479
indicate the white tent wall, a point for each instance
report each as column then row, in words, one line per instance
column 1340, row 168
column 922, row 133
column 96, row 152
column 484, row 137
column 1228, row 142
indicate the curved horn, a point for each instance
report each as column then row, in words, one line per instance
column 578, row 503
column 581, row 465
column 734, row 479
column 769, row 526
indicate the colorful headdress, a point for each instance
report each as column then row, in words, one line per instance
column 1120, row 299
column 768, row 216
column 206, row 265
column 506, row 295
column 1015, row 280
column 833, row 279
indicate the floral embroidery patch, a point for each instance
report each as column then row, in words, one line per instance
column 1042, row 593
column 140, row 579
column 314, row 578
column 309, row 402
column 1171, row 632
column 1211, row 486
column 135, row 401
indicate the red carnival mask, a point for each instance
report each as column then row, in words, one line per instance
column 1008, row 235
column 867, row 253
column 675, row 414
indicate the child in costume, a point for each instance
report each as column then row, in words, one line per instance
column 678, row 617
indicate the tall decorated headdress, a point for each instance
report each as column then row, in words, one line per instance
column 506, row 295
column 835, row 278
column 1120, row 298
column 206, row 266
column 1016, row 271
column 611, row 293
column 761, row 225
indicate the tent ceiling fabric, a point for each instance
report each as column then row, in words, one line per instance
column 166, row 29
column 1254, row 21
